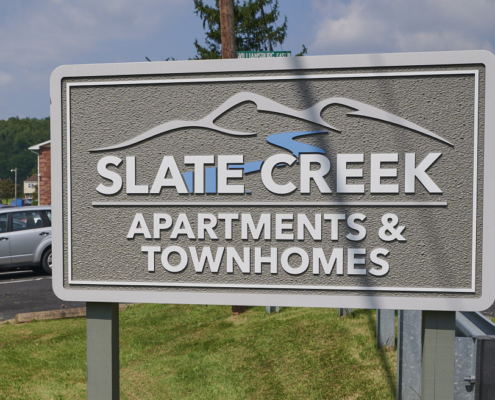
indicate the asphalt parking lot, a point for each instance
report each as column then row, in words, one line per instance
column 26, row 291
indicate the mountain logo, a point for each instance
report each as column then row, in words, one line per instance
column 284, row 140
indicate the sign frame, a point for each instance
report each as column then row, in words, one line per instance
column 383, row 301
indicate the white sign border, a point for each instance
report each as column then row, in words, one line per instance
column 471, row 289
column 355, row 61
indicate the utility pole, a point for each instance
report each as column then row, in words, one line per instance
column 15, row 186
column 227, row 28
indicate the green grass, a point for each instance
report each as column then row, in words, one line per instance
column 200, row 352
column 9, row 201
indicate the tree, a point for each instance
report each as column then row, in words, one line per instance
column 35, row 195
column 255, row 29
column 16, row 136
column 7, row 189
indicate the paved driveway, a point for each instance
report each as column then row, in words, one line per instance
column 26, row 291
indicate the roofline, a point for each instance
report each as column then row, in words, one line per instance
column 22, row 208
column 36, row 147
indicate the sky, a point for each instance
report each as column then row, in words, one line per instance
column 36, row 36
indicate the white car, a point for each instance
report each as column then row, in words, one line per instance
column 26, row 238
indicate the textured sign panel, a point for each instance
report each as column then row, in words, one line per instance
column 357, row 181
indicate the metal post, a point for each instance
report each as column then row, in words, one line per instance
column 227, row 32
column 409, row 355
column 485, row 367
column 385, row 328
column 15, row 186
column 465, row 368
column 345, row 311
column 269, row 309
column 438, row 363
column 102, row 341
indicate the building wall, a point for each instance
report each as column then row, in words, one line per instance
column 45, row 172
column 28, row 191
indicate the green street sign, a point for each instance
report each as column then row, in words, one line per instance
column 262, row 54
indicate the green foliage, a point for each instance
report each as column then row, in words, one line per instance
column 16, row 135
column 35, row 195
column 254, row 30
column 303, row 52
column 7, row 190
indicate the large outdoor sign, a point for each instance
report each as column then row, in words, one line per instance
column 349, row 181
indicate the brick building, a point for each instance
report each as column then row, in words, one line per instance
column 44, row 172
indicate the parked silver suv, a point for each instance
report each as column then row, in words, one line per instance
column 26, row 238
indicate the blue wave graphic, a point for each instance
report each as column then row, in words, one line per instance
column 248, row 167
column 285, row 140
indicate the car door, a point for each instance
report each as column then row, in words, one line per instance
column 26, row 235
column 4, row 241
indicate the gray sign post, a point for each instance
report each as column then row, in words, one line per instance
column 349, row 181
column 438, row 358
column 385, row 328
column 102, row 325
column 409, row 348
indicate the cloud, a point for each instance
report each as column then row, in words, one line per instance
column 49, row 30
column 357, row 26
column 5, row 78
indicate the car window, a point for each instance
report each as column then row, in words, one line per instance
column 47, row 217
column 3, row 222
column 26, row 220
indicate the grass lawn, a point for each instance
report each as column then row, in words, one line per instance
column 202, row 352
column 8, row 202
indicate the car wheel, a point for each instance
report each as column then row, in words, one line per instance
column 46, row 262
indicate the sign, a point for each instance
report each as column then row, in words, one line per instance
column 349, row 181
column 262, row 54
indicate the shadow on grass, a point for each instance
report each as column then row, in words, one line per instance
column 274, row 312
column 383, row 357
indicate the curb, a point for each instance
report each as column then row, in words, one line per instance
column 53, row 314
